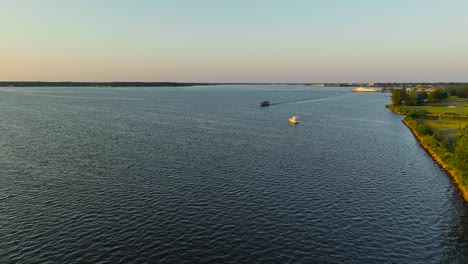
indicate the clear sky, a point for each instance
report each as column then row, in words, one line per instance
column 234, row 40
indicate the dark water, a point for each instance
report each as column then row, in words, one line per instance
column 205, row 175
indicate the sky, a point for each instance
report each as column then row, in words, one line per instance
column 300, row 41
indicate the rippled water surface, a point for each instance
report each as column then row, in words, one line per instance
column 205, row 175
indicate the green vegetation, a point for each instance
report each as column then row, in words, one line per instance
column 440, row 122
column 460, row 91
column 452, row 151
column 398, row 95
column 437, row 102
column 437, row 111
column 412, row 97
column 437, row 95
column 460, row 156
column 447, row 128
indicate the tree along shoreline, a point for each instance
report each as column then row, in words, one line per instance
column 439, row 154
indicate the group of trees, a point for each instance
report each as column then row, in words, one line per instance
column 413, row 97
column 460, row 91
column 410, row 97
column 437, row 95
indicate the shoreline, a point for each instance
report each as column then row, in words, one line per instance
column 453, row 175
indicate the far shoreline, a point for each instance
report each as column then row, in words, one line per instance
column 383, row 85
column 100, row 84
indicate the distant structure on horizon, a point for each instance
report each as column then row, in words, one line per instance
column 364, row 90
column 341, row 85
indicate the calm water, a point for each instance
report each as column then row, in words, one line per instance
column 205, row 175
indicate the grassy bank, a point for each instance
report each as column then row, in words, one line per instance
column 441, row 154
column 442, row 131
column 455, row 108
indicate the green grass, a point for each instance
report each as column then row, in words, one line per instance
column 445, row 126
column 449, row 107
column 439, row 110
column 445, row 117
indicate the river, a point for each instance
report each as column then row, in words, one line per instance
column 206, row 175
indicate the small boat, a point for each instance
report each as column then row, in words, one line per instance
column 294, row 120
column 264, row 103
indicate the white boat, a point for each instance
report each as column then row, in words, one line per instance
column 364, row 90
column 294, row 120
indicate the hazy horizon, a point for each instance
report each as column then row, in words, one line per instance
column 254, row 41
column 227, row 83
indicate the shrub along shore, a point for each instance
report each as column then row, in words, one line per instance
column 449, row 151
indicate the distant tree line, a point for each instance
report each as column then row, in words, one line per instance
column 413, row 97
column 460, row 91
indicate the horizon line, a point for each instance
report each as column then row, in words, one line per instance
column 230, row 82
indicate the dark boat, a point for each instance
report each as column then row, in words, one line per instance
column 264, row 103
